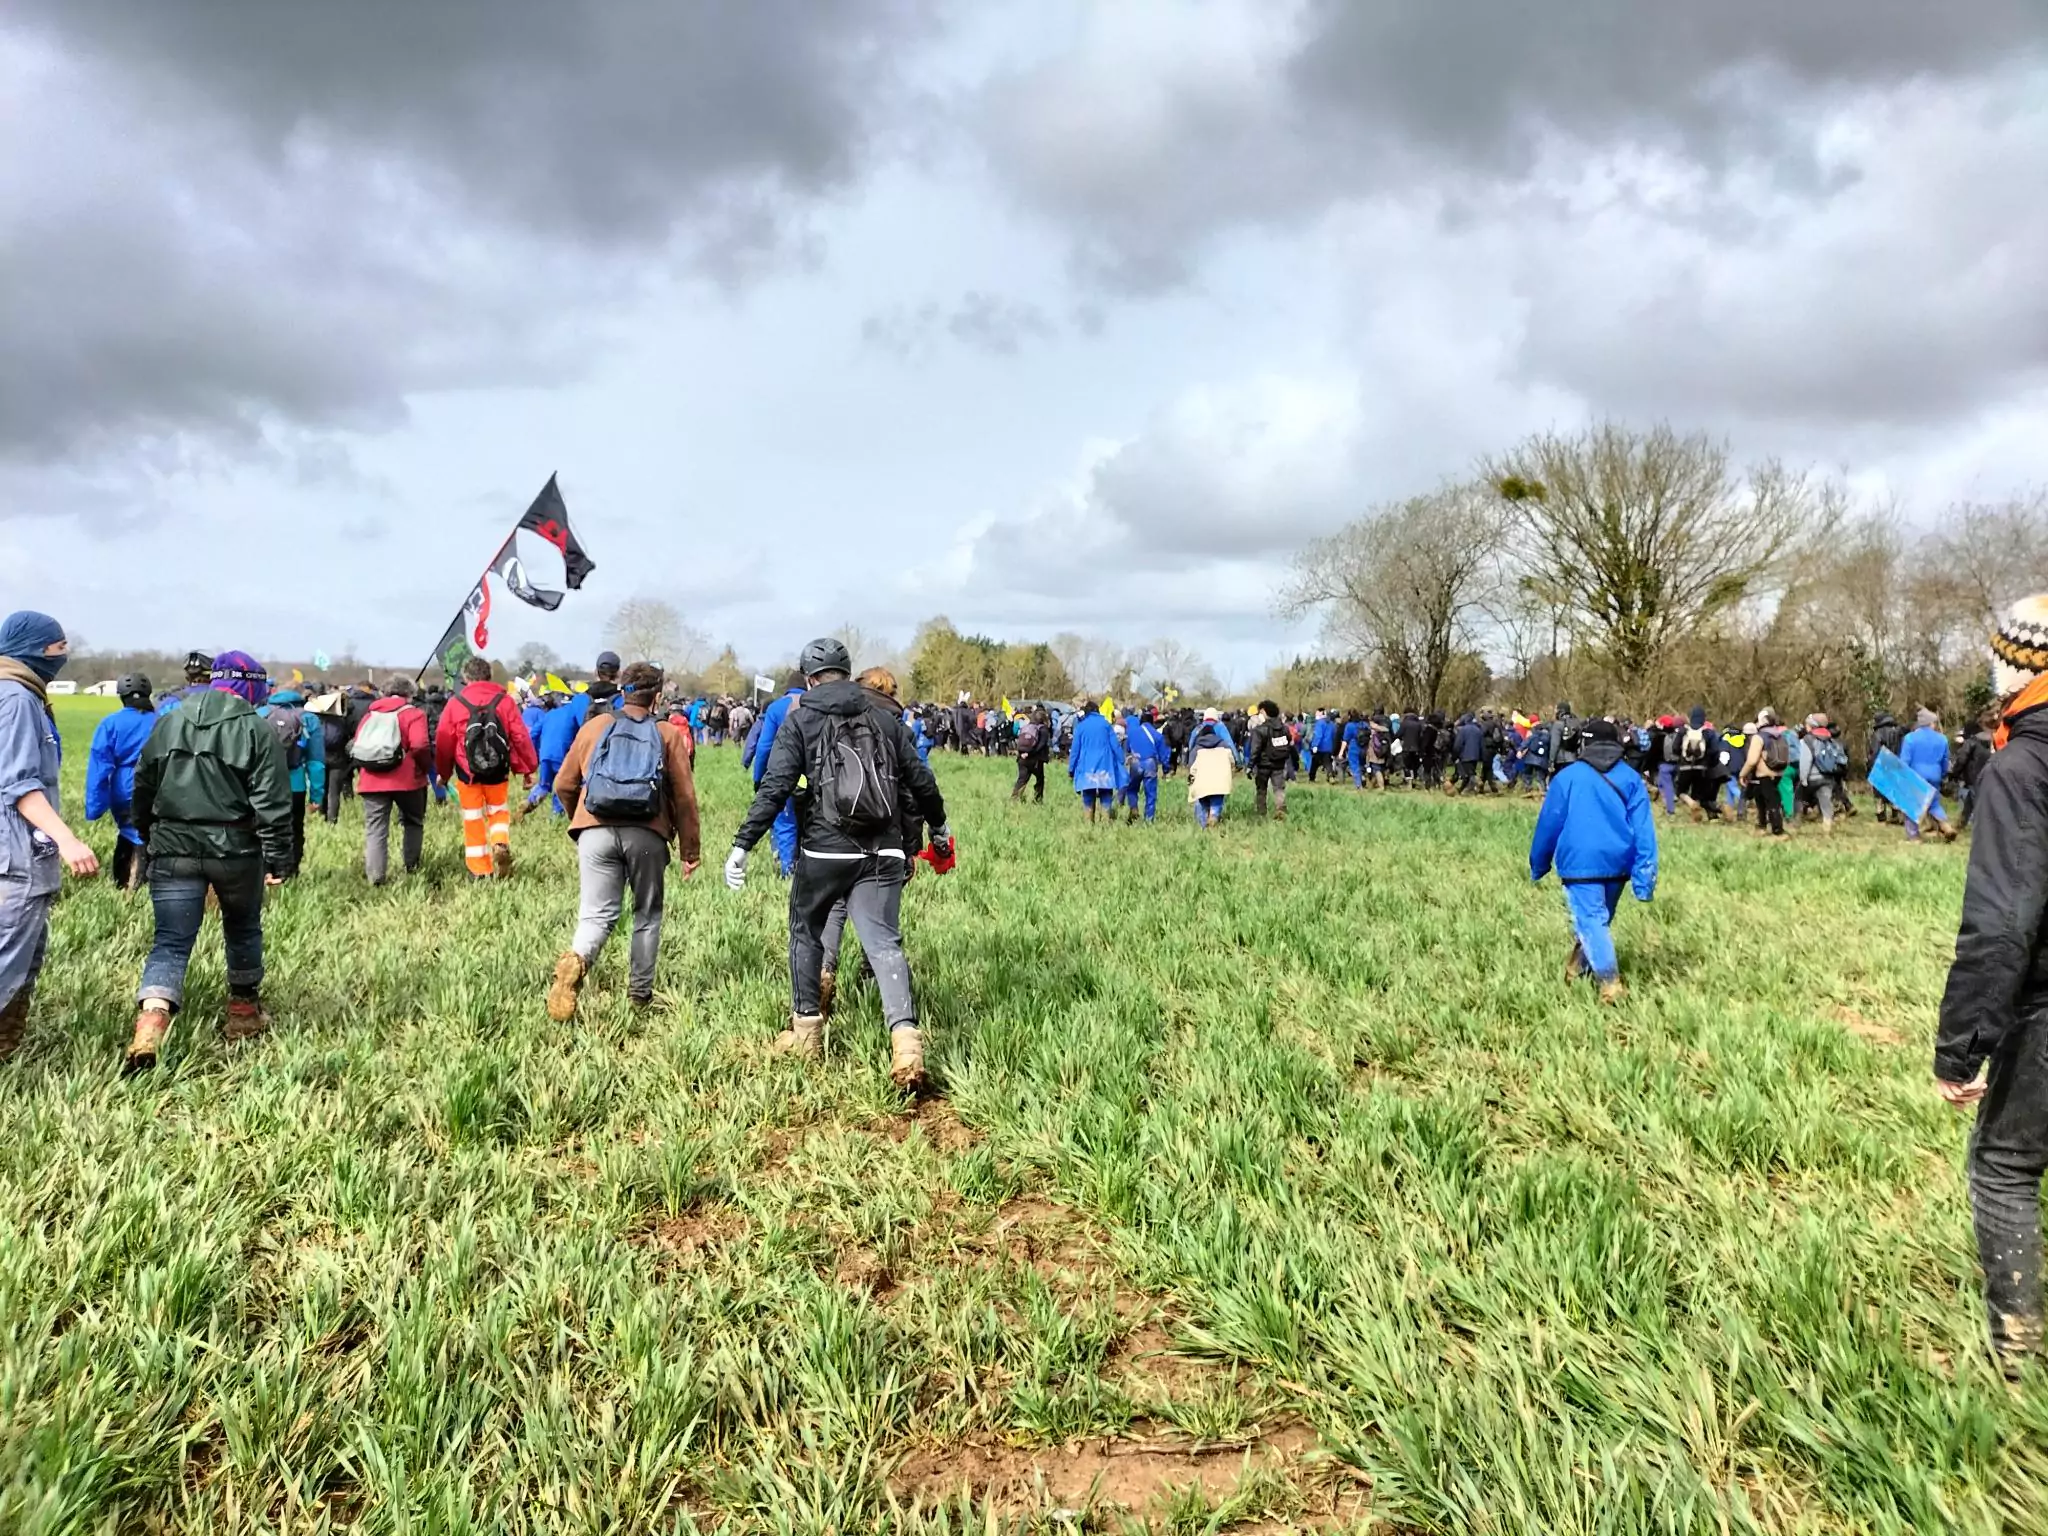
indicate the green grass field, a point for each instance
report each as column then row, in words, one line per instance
column 1269, row 1180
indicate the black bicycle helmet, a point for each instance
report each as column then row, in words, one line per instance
column 827, row 655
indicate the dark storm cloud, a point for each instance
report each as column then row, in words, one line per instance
column 610, row 118
column 1479, row 78
column 217, row 217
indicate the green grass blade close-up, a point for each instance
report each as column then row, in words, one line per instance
column 1267, row 1179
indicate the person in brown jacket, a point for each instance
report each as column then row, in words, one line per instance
column 627, row 788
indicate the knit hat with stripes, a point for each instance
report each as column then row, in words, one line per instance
column 2019, row 646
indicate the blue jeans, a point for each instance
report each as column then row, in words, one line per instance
column 1209, row 810
column 177, row 892
column 1592, row 904
column 1667, row 786
column 1129, row 797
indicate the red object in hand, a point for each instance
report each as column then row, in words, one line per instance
column 941, row 866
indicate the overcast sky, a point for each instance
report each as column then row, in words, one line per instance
column 1042, row 315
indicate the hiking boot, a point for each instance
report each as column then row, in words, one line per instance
column 246, row 1019
column 828, row 988
column 569, row 973
column 1575, row 963
column 1279, row 815
column 640, row 1001
column 1132, row 819
column 1612, row 992
column 1692, row 808
column 501, row 859
column 151, row 1025
column 805, row 1038
column 1948, row 831
column 906, row 1058
column 13, row 1024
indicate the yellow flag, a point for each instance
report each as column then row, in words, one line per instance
column 1108, row 707
column 1006, row 704
column 297, row 677
column 556, row 685
column 582, row 687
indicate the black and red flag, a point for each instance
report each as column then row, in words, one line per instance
column 546, row 522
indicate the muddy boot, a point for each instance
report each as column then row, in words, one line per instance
column 246, row 1019
column 13, row 1024
column 568, row 982
column 1575, row 963
column 1280, row 815
column 828, row 988
column 151, row 1025
column 804, row 1039
column 906, row 1058
column 1612, row 992
column 1948, row 831
column 501, row 859
column 1132, row 819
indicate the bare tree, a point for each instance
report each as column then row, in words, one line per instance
column 1644, row 537
column 1096, row 665
column 535, row 656
column 1986, row 555
column 1406, row 587
column 645, row 629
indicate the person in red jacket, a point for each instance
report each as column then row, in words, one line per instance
column 482, row 742
column 391, row 752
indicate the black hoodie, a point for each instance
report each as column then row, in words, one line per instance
column 796, row 749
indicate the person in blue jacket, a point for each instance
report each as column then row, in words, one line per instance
column 1095, row 761
column 1354, row 748
column 110, row 774
column 760, row 743
column 920, row 736
column 534, row 712
column 1597, row 831
column 557, row 732
column 1144, row 761
column 1925, row 751
column 1322, row 744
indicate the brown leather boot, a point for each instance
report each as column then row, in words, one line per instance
column 151, row 1026
column 828, row 988
column 1612, row 992
column 804, row 1039
column 568, row 981
column 906, row 1058
column 13, row 1024
column 246, row 1019
column 501, row 859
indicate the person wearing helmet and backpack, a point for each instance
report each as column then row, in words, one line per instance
column 1821, row 758
column 391, row 750
column 1771, row 753
column 861, row 778
column 481, row 742
column 627, row 786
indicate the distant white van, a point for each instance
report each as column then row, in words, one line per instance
column 63, row 688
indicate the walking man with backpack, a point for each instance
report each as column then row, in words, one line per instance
column 1770, row 754
column 482, row 741
column 1034, row 747
column 627, row 787
column 861, row 777
column 1268, row 751
column 1821, row 761
column 1925, row 751
column 1597, row 830
column 391, row 751
column 1694, row 747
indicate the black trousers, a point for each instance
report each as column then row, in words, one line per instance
column 872, row 888
column 1465, row 772
column 1770, row 810
column 340, row 780
column 2008, row 1156
column 1319, row 762
column 298, row 851
column 1030, row 770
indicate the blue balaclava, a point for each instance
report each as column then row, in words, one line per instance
column 26, row 635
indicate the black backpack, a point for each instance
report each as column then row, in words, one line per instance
column 484, row 745
column 287, row 724
column 853, row 774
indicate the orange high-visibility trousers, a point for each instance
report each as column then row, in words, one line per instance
column 486, row 820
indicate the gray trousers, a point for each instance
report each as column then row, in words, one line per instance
column 610, row 860
column 411, row 806
column 872, row 890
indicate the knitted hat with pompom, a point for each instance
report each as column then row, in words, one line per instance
column 2019, row 646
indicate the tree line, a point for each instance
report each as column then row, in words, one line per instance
column 1643, row 570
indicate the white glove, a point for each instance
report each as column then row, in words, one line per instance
column 736, row 869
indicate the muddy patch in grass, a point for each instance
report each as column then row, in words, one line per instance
column 1866, row 1028
column 695, row 1235
column 1146, row 1473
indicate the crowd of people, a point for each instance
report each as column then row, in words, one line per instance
column 208, row 786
